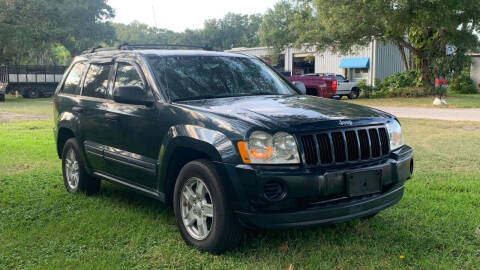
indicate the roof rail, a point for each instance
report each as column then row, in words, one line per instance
column 126, row 46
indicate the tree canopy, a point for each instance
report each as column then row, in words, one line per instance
column 32, row 31
column 233, row 30
column 427, row 28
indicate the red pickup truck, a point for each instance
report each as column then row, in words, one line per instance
column 321, row 86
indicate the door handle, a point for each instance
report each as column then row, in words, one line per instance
column 77, row 109
column 111, row 116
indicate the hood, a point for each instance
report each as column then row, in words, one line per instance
column 298, row 112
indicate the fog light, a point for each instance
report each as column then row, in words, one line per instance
column 273, row 191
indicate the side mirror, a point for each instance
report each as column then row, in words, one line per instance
column 131, row 95
column 301, row 86
column 346, row 81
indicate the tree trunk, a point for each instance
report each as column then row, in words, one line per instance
column 401, row 49
column 424, row 72
column 411, row 59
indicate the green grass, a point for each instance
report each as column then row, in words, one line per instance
column 44, row 227
column 453, row 100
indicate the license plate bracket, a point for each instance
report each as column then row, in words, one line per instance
column 364, row 182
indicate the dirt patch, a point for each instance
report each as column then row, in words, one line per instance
column 6, row 116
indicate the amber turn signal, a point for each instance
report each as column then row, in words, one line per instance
column 242, row 148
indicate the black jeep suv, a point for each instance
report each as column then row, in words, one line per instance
column 226, row 140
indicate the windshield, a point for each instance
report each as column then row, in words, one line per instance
column 202, row 77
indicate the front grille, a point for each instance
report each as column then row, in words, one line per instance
column 345, row 146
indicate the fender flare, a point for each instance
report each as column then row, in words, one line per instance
column 214, row 144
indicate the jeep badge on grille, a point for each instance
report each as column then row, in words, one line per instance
column 345, row 122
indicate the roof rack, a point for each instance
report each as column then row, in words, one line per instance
column 126, row 46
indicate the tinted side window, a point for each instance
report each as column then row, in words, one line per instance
column 127, row 75
column 72, row 83
column 96, row 81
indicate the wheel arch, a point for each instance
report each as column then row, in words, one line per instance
column 64, row 134
column 187, row 143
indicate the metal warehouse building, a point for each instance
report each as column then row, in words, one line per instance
column 475, row 70
column 374, row 61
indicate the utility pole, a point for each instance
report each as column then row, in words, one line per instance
column 154, row 17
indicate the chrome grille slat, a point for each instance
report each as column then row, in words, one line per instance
column 345, row 146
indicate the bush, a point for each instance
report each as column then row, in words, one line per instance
column 403, row 84
column 462, row 83
column 399, row 80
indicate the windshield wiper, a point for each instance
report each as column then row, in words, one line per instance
column 202, row 97
column 257, row 94
column 225, row 96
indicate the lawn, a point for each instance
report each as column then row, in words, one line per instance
column 435, row 226
column 453, row 100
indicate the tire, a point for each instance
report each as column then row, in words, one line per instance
column 75, row 177
column 33, row 93
column 225, row 231
column 354, row 94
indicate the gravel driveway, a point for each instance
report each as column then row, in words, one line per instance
column 433, row 113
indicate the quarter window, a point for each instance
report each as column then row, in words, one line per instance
column 74, row 78
column 96, row 81
column 127, row 75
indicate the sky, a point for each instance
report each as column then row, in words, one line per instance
column 178, row 15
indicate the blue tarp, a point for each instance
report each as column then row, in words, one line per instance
column 354, row 62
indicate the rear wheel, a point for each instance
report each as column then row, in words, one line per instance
column 33, row 93
column 75, row 177
column 354, row 94
column 202, row 211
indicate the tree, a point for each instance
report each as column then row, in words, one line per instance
column 425, row 27
column 233, row 30
column 138, row 33
column 32, row 30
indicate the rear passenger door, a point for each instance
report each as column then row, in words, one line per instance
column 94, row 104
column 68, row 98
column 134, row 133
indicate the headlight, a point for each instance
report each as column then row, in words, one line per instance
column 263, row 148
column 395, row 134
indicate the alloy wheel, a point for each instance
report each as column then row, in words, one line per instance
column 72, row 171
column 196, row 208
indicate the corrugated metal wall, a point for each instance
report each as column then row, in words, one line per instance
column 475, row 70
column 328, row 62
column 387, row 60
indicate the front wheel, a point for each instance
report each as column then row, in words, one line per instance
column 75, row 177
column 202, row 211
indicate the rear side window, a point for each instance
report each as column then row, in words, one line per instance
column 127, row 75
column 74, row 78
column 96, row 81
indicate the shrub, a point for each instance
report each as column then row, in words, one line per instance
column 412, row 91
column 402, row 84
column 399, row 80
column 462, row 83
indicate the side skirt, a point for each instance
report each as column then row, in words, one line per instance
column 156, row 195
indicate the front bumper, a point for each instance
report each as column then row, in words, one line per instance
column 314, row 197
